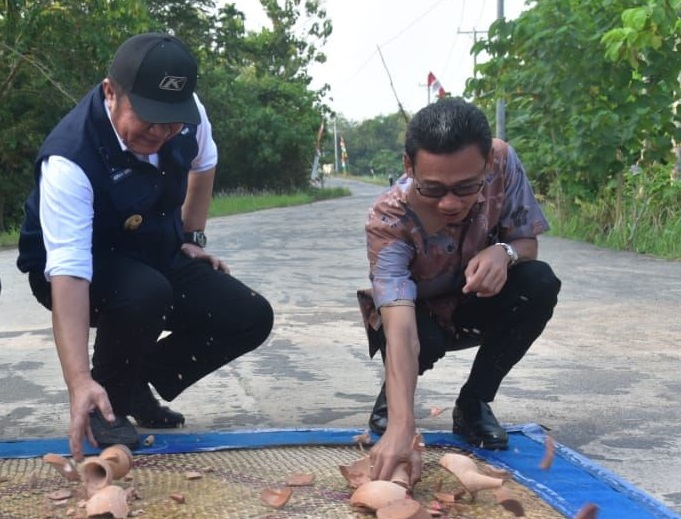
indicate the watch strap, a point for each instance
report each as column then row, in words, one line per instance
column 510, row 252
column 196, row 237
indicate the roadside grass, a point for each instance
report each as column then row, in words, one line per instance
column 375, row 180
column 225, row 204
column 9, row 239
column 650, row 234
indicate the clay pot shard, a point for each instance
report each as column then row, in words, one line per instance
column 300, row 480
column 358, row 472
column 550, row 453
column 119, row 458
column 588, row 511
column 59, row 495
column 509, row 502
column 467, row 473
column 178, row 498
column 63, row 466
column 365, row 437
column 276, row 497
column 377, row 494
column 109, row 500
column 403, row 509
column 436, row 411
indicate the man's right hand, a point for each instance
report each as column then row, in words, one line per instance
column 396, row 446
column 85, row 396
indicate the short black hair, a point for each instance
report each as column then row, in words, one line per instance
column 447, row 126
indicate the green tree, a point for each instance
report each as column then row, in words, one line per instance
column 50, row 54
column 578, row 118
column 375, row 144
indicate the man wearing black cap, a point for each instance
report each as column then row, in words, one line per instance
column 113, row 238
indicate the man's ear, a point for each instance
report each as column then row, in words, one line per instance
column 109, row 93
column 408, row 167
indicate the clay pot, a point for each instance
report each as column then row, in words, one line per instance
column 97, row 474
column 63, row 466
column 377, row 494
column 403, row 509
column 119, row 458
column 467, row 473
column 110, row 499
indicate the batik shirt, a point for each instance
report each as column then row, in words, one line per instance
column 407, row 263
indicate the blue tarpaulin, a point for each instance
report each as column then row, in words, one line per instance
column 572, row 481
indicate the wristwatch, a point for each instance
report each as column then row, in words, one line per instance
column 511, row 252
column 196, row 237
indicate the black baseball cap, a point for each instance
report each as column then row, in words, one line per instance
column 158, row 72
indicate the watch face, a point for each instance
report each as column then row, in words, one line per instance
column 200, row 239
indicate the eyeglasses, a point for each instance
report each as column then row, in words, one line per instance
column 439, row 191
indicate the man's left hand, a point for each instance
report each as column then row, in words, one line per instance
column 487, row 272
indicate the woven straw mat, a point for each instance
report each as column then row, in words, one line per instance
column 231, row 483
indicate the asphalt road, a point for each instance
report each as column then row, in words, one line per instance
column 604, row 376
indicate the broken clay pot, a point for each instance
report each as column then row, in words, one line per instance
column 358, row 472
column 108, row 500
column 63, row 466
column 467, row 473
column 377, row 494
column 403, row 509
column 96, row 473
column 119, row 458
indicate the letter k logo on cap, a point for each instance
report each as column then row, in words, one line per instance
column 172, row 83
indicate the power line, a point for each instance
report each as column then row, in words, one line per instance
column 413, row 22
column 456, row 37
column 393, row 38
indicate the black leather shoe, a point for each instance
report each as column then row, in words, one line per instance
column 107, row 434
column 475, row 420
column 378, row 421
column 148, row 413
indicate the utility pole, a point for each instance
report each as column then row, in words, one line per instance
column 501, row 108
column 475, row 33
column 335, row 148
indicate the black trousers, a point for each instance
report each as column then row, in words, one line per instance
column 213, row 318
column 504, row 327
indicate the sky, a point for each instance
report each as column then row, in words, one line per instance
column 414, row 37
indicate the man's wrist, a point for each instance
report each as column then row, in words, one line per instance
column 196, row 237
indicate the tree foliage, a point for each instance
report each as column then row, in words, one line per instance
column 375, row 146
column 589, row 88
column 255, row 85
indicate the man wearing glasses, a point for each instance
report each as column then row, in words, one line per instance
column 452, row 250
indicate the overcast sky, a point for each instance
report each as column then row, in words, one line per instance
column 415, row 37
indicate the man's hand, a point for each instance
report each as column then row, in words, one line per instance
column 487, row 272
column 196, row 252
column 86, row 395
column 395, row 447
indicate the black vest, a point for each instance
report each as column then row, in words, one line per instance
column 137, row 207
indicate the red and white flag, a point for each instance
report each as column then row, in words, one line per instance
column 434, row 86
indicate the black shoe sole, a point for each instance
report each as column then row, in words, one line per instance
column 121, row 432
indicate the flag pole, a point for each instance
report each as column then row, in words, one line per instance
column 404, row 114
